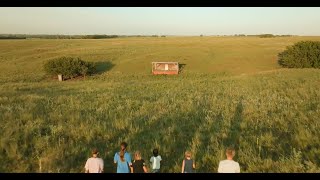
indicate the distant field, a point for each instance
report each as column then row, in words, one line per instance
column 21, row 60
column 231, row 92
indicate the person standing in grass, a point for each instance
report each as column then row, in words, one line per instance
column 188, row 164
column 94, row 164
column 138, row 165
column 122, row 159
column 229, row 165
column 155, row 161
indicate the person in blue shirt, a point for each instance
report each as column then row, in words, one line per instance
column 123, row 159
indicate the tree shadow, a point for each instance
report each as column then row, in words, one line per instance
column 173, row 137
column 233, row 138
column 103, row 66
column 181, row 67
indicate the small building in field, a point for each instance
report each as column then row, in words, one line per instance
column 165, row 68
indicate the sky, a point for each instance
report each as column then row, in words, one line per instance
column 160, row 20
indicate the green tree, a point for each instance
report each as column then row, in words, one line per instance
column 69, row 67
column 304, row 54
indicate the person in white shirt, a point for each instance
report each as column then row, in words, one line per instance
column 94, row 164
column 229, row 165
column 155, row 161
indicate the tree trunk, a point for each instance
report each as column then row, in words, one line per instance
column 60, row 77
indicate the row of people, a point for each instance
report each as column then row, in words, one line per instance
column 123, row 161
column 125, row 165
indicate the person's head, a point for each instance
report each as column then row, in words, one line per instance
column 121, row 154
column 137, row 155
column 187, row 155
column 230, row 152
column 155, row 152
column 123, row 145
column 95, row 152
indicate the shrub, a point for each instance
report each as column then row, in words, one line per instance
column 304, row 54
column 69, row 67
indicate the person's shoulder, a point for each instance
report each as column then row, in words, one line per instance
column 127, row 155
column 89, row 159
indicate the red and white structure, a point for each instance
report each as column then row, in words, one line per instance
column 165, row 68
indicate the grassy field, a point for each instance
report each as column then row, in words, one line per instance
column 231, row 91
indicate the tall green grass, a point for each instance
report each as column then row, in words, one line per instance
column 271, row 119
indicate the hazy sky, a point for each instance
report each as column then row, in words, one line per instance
column 160, row 20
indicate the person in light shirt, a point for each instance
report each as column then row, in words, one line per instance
column 156, row 161
column 229, row 165
column 94, row 164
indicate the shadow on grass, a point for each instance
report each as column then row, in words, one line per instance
column 235, row 129
column 103, row 66
column 181, row 67
column 173, row 133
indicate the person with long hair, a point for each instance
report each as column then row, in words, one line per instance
column 123, row 159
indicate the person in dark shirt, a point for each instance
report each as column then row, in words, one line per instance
column 188, row 164
column 138, row 165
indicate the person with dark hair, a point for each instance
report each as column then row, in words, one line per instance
column 229, row 165
column 123, row 159
column 138, row 164
column 94, row 164
column 188, row 164
column 123, row 145
column 155, row 161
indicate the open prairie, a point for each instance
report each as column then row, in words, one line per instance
column 230, row 91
